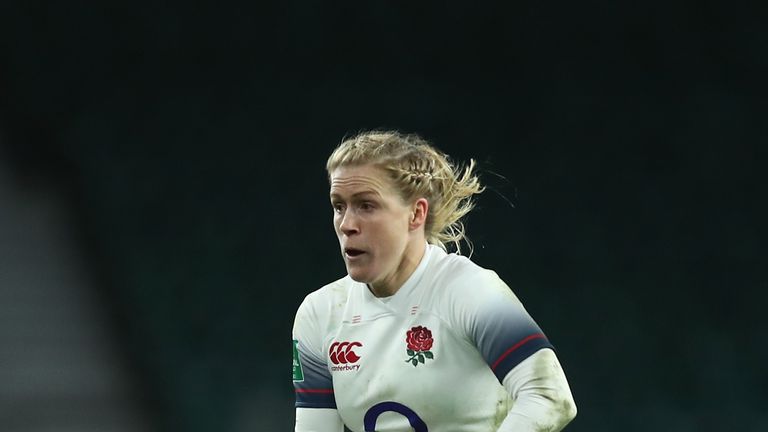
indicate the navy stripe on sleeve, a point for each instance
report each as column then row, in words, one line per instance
column 316, row 388
column 505, row 334
column 315, row 398
column 518, row 352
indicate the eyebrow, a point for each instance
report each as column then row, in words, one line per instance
column 357, row 194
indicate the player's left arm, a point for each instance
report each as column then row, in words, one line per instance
column 543, row 399
column 519, row 354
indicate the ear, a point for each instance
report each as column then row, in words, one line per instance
column 419, row 212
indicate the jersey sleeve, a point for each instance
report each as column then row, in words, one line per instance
column 543, row 399
column 496, row 322
column 311, row 377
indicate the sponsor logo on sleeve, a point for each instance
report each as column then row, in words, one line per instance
column 298, row 372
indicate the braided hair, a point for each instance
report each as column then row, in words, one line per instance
column 417, row 170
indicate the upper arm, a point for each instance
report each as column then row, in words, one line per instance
column 311, row 378
column 496, row 322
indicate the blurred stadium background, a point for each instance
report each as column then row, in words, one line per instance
column 163, row 204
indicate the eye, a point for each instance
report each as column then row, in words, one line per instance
column 367, row 206
column 337, row 207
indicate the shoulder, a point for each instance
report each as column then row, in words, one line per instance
column 316, row 318
column 320, row 306
column 460, row 276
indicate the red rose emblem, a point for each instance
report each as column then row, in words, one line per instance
column 419, row 339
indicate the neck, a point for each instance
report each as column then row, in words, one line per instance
column 411, row 259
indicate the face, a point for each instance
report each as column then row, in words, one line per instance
column 377, row 231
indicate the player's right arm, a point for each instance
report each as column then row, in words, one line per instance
column 315, row 401
column 318, row 420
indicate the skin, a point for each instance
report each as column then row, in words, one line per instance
column 370, row 215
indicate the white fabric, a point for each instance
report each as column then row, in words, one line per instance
column 476, row 324
column 542, row 400
column 542, row 397
column 318, row 420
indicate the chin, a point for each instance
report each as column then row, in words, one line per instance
column 358, row 275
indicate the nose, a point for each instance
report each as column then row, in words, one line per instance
column 348, row 224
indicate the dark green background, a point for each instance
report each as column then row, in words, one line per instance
column 623, row 145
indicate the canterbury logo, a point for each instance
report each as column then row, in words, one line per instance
column 341, row 352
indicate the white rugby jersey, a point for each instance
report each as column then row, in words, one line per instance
column 428, row 358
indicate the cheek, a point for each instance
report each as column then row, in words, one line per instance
column 396, row 235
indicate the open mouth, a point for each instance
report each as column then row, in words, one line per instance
column 352, row 253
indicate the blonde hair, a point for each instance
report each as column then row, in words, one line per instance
column 418, row 170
